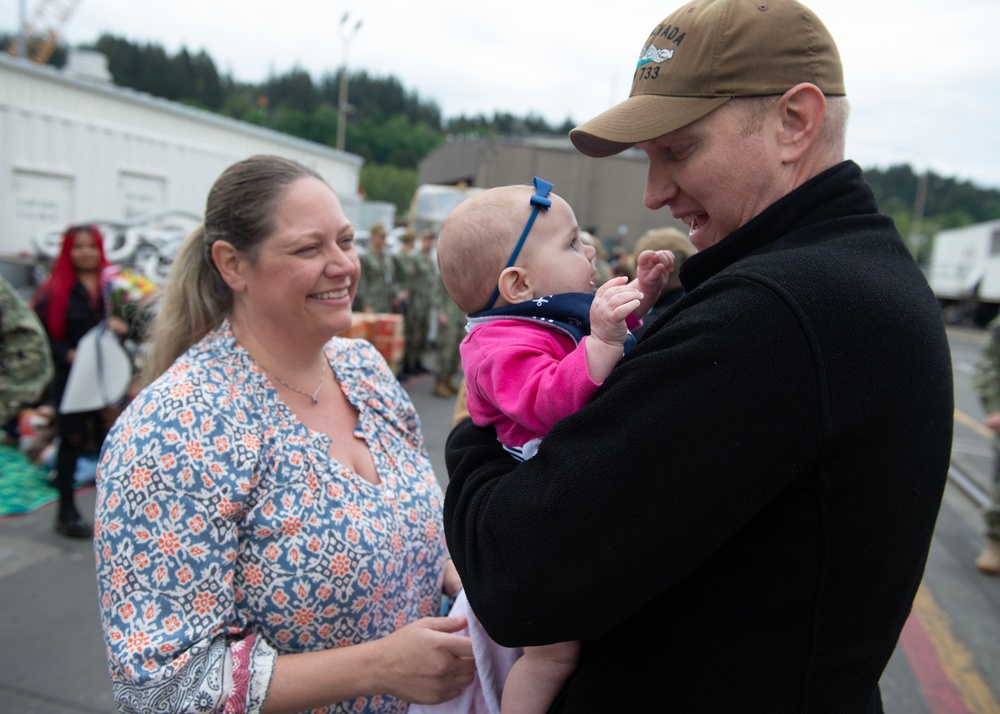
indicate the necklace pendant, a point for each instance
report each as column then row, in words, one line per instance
column 315, row 393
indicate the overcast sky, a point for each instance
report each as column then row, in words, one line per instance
column 923, row 76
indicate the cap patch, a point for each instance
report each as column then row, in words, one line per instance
column 654, row 54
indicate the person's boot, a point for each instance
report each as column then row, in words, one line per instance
column 989, row 560
column 68, row 520
column 442, row 388
column 73, row 526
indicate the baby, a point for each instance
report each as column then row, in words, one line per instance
column 541, row 341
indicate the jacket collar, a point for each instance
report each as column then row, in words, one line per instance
column 835, row 193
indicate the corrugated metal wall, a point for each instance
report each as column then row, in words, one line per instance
column 606, row 194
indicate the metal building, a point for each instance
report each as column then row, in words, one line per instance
column 74, row 147
column 606, row 194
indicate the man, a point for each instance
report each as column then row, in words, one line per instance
column 379, row 290
column 25, row 356
column 417, row 279
column 764, row 554
column 987, row 384
column 451, row 322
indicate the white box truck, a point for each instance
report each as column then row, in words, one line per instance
column 965, row 272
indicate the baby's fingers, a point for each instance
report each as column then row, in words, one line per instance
column 620, row 312
column 612, row 283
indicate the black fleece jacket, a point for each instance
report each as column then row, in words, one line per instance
column 739, row 520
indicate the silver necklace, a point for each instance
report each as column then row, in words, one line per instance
column 304, row 393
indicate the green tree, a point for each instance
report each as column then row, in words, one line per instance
column 897, row 186
column 389, row 183
column 293, row 90
column 380, row 98
column 392, row 128
column 395, row 141
column 208, row 84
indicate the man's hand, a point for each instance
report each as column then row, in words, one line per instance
column 993, row 422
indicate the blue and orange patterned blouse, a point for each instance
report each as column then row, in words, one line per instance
column 225, row 534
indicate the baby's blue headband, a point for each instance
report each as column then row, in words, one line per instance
column 540, row 201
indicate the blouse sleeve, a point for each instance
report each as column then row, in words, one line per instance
column 172, row 483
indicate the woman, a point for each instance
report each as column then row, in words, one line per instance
column 268, row 531
column 70, row 303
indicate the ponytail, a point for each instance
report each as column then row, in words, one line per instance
column 194, row 301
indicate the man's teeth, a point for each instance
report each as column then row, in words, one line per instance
column 693, row 222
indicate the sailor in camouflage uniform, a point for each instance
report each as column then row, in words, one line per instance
column 25, row 357
column 986, row 382
column 451, row 331
column 416, row 276
column 379, row 290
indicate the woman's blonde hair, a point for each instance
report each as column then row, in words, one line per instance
column 240, row 209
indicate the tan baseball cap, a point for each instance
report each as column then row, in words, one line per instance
column 704, row 54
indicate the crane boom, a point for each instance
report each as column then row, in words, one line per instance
column 41, row 30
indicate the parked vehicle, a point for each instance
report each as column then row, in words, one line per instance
column 965, row 272
column 432, row 203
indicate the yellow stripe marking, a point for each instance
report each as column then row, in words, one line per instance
column 956, row 660
column 973, row 424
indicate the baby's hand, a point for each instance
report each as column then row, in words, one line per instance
column 613, row 302
column 652, row 270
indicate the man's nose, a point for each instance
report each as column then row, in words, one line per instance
column 660, row 186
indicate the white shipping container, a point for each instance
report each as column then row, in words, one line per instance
column 74, row 149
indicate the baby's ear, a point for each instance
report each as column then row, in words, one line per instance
column 514, row 285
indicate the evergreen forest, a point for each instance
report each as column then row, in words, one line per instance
column 393, row 128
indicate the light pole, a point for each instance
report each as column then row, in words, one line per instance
column 342, row 106
column 22, row 41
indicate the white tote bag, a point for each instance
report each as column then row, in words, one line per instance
column 100, row 374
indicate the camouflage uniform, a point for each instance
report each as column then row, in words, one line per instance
column 25, row 357
column 986, row 382
column 449, row 335
column 378, row 286
column 416, row 276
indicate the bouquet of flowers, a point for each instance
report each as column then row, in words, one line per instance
column 125, row 292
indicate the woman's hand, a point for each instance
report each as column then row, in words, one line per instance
column 424, row 663
column 118, row 325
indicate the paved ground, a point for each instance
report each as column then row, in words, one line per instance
column 52, row 654
column 51, row 650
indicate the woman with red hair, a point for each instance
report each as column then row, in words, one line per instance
column 70, row 303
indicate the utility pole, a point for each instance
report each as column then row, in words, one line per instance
column 342, row 106
column 22, row 45
column 916, row 240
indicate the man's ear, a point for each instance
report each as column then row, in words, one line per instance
column 230, row 264
column 801, row 109
column 514, row 285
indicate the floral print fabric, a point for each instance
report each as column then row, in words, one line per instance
column 226, row 535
